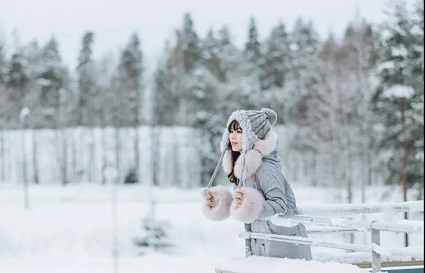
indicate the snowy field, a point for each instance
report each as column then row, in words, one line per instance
column 70, row 229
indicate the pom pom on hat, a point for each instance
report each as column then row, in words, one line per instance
column 261, row 121
column 271, row 115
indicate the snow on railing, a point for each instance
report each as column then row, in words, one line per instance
column 350, row 209
column 339, row 224
column 408, row 226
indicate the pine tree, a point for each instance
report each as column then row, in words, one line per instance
column 277, row 58
column 90, row 102
column 164, row 100
column 184, row 59
column 51, row 79
column 253, row 46
column 3, row 101
column 190, row 44
column 249, row 93
column 53, row 107
column 274, row 71
column 398, row 100
column 17, row 76
column 305, row 45
column 210, row 56
column 129, row 90
column 3, row 95
column 89, row 110
column 228, row 55
column 16, row 89
column 3, row 62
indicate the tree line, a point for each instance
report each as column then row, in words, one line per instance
column 355, row 97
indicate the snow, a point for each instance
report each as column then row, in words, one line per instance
column 408, row 253
column 256, row 264
column 152, row 263
column 401, row 52
column 412, row 253
column 341, row 209
column 385, row 65
column 69, row 229
column 400, row 91
column 414, row 226
column 24, row 113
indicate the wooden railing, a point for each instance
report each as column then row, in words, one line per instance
column 332, row 218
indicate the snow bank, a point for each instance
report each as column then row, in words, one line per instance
column 256, row 264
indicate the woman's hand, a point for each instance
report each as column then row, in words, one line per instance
column 212, row 199
column 238, row 198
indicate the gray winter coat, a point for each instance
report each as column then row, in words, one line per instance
column 279, row 198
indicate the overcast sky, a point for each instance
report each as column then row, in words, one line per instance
column 113, row 21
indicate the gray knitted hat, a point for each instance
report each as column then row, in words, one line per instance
column 255, row 125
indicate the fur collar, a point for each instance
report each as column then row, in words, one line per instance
column 249, row 161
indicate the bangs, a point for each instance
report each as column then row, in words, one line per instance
column 234, row 125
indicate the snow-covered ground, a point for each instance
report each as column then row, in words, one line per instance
column 70, row 229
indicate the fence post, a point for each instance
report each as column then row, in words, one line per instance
column 376, row 256
column 23, row 115
column 248, row 250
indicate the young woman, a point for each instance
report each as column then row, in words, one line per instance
column 260, row 190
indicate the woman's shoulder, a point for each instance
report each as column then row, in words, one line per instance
column 269, row 175
column 270, row 164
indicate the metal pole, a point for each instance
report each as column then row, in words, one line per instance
column 114, row 198
column 22, row 118
column 114, row 226
column 404, row 166
column 376, row 257
column 248, row 250
column 115, row 184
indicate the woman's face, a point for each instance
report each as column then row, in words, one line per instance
column 235, row 136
